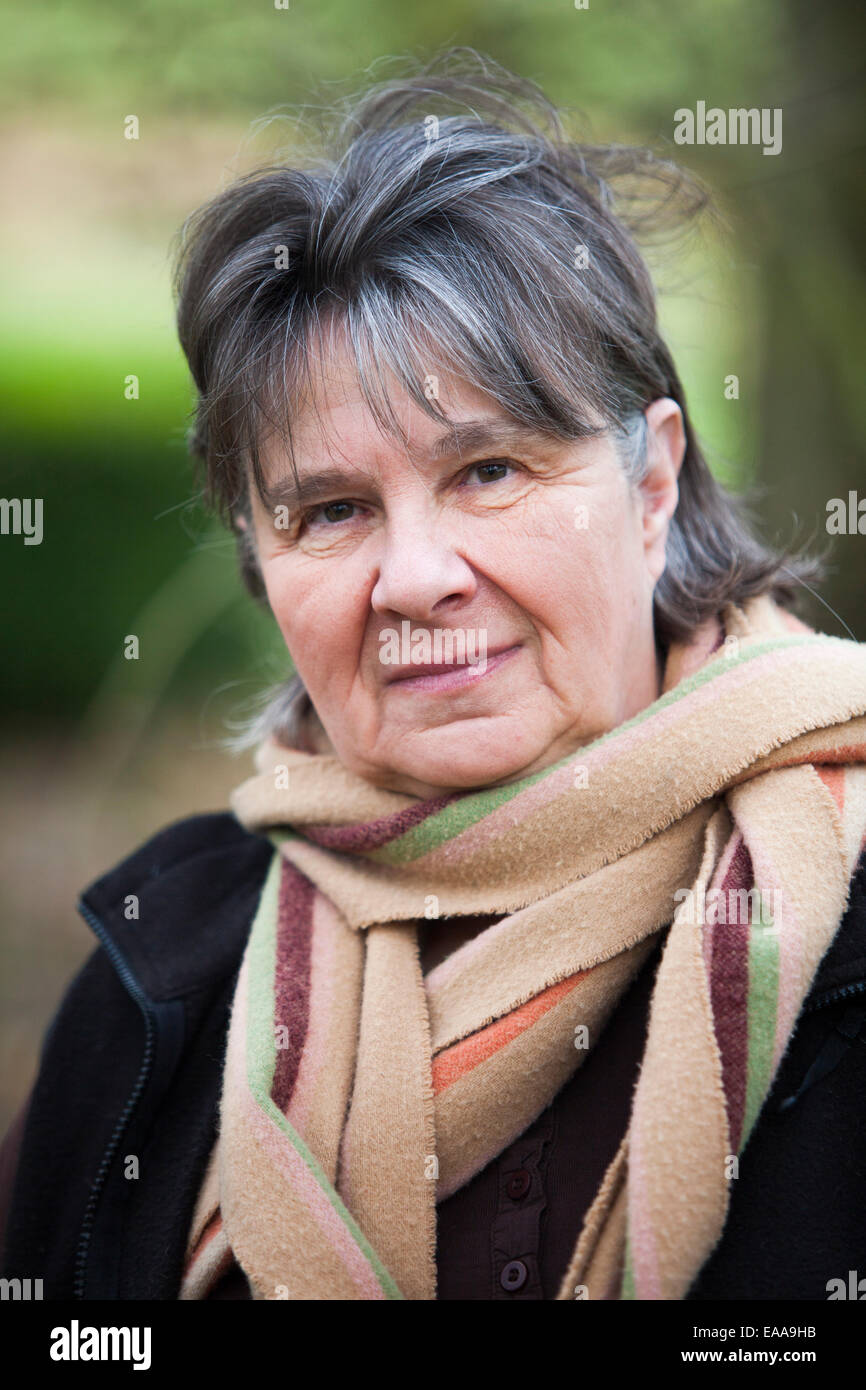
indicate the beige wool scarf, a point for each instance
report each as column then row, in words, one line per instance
column 727, row 816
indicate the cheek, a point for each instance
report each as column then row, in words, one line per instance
column 571, row 565
column 321, row 614
column 601, row 562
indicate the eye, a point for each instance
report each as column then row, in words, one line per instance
column 491, row 471
column 333, row 512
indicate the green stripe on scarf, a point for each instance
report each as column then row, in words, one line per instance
column 627, row 1291
column 762, row 1007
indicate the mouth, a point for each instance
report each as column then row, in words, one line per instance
column 443, row 676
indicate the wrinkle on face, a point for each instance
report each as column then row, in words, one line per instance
column 504, row 556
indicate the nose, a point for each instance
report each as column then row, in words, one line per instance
column 421, row 576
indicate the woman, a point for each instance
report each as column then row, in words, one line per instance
column 530, row 963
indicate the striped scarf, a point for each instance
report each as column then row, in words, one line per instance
column 727, row 816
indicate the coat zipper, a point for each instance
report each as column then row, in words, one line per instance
column 134, row 989
column 815, row 1071
column 841, row 992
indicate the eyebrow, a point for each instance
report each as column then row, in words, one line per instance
column 461, row 438
column 471, row 436
column 311, row 488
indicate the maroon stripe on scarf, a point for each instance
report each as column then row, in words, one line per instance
column 356, row 839
column 292, row 978
column 729, row 995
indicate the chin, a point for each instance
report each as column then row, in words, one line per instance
column 462, row 764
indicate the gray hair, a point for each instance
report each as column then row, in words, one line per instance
column 450, row 225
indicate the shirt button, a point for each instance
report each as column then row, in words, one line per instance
column 513, row 1276
column 518, row 1183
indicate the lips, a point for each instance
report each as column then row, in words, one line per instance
column 444, row 675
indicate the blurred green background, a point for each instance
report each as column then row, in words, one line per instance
column 98, row 751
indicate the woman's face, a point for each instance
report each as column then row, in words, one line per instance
column 471, row 609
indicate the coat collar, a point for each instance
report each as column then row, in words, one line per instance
column 194, row 888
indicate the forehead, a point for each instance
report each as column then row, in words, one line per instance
column 335, row 415
column 334, row 425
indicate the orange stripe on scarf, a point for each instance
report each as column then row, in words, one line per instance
column 834, row 780
column 456, row 1061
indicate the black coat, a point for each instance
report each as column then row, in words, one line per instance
column 132, row 1066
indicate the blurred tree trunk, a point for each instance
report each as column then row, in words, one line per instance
column 813, row 396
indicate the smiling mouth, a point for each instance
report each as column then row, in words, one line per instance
column 441, row 676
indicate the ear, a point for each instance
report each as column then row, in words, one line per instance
column 658, row 490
